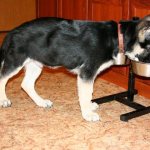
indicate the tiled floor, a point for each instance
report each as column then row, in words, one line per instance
column 25, row 126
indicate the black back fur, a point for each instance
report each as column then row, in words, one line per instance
column 61, row 42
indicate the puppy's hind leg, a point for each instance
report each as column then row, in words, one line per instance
column 33, row 71
column 4, row 101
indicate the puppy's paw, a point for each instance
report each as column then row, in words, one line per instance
column 5, row 103
column 94, row 106
column 45, row 103
column 91, row 116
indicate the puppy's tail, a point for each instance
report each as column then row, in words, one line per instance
column 3, row 50
column 1, row 59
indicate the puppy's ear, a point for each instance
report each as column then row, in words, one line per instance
column 144, row 23
column 126, row 23
column 128, row 29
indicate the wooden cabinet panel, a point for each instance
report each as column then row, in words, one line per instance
column 139, row 8
column 105, row 10
column 47, row 8
column 72, row 9
column 15, row 12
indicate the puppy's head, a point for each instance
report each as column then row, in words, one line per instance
column 143, row 30
column 137, row 39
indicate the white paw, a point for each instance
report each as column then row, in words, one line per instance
column 5, row 103
column 94, row 106
column 131, row 56
column 45, row 103
column 90, row 116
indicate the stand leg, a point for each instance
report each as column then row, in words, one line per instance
column 140, row 109
column 131, row 85
column 134, row 114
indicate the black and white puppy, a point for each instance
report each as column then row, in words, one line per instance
column 83, row 47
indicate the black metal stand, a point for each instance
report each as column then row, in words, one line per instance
column 126, row 98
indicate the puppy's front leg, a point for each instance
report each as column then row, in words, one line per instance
column 85, row 90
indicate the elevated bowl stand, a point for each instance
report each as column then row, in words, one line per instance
column 127, row 98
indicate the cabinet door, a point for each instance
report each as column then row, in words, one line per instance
column 139, row 8
column 108, row 10
column 47, row 8
column 72, row 9
column 15, row 12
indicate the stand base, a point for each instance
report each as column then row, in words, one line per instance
column 127, row 98
column 123, row 97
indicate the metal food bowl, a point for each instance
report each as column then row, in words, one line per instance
column 121, row 59
column 141, row 68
